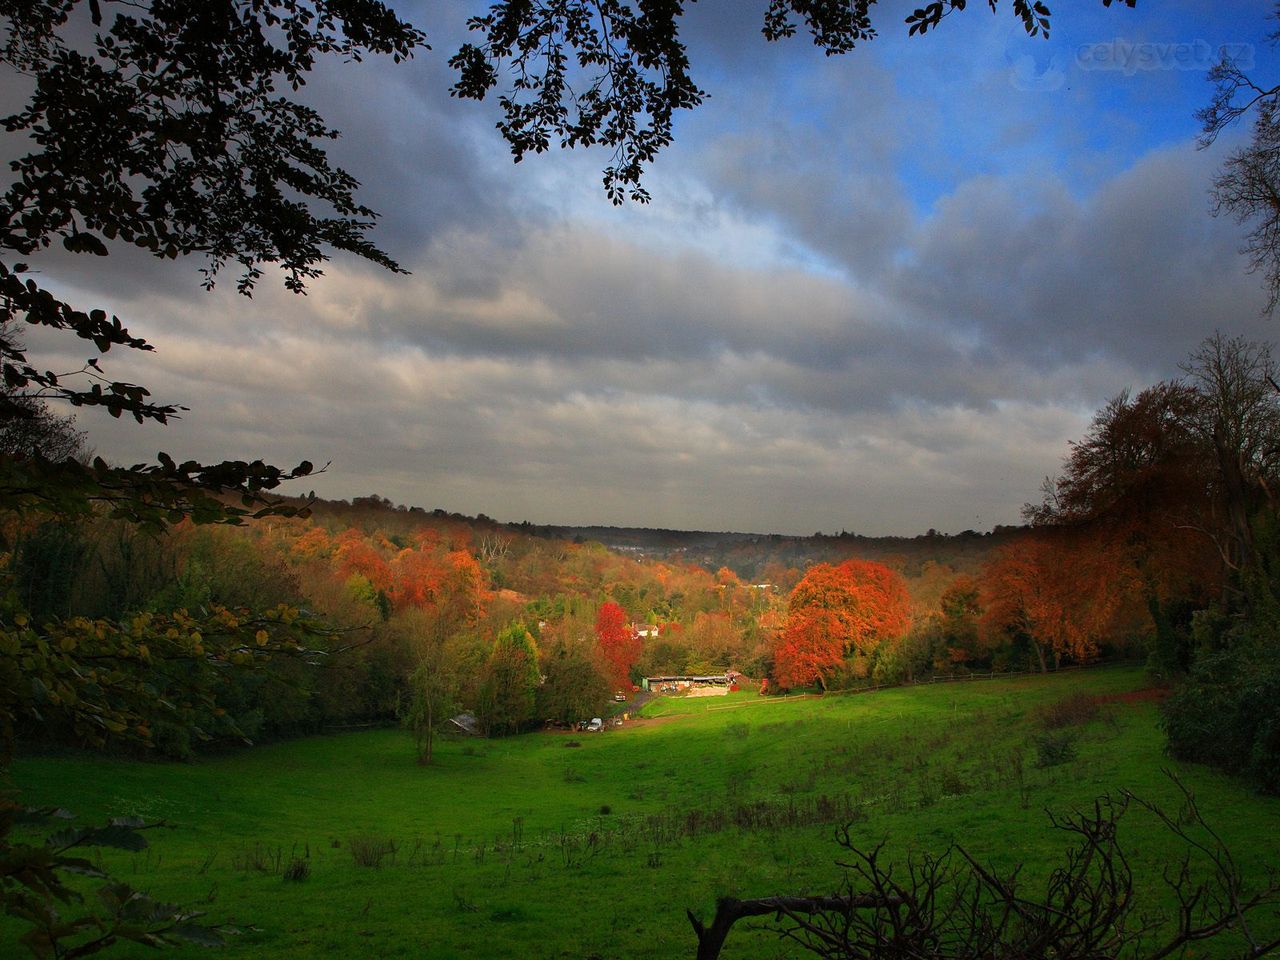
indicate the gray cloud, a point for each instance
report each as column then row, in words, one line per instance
column 849, row 307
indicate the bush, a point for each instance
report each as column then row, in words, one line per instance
column 1227, row 715
column 1055, row 749
column 297, row 870
column 371, row 851
column 1072, row 711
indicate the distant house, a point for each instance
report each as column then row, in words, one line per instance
column 645, row 629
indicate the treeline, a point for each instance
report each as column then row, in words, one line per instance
column 517, row 629
column 1164, row 523
column 1159, row 539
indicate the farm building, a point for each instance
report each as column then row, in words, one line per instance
column 685, row 683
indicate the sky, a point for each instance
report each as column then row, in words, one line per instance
column 879, row 293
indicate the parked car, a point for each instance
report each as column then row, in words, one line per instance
column 620, row 697
column 595, row 726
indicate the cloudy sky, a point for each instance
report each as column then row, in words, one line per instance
column 878, row 292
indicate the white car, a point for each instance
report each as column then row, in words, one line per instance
column 595, row 726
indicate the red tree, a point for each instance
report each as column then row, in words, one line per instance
column 619, row 645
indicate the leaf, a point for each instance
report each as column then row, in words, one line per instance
column 195, row 933
column 85, row 243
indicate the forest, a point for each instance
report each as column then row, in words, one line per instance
column 1154, row 544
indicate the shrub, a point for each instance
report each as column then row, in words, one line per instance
column 1055, row 749
column 1227, row 714
column 371, row 851
column 297, row 870
column 1077, row 709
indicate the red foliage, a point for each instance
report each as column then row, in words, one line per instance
column 417, row 579
column 810, row 647
column 356, row 555
column 619, row 645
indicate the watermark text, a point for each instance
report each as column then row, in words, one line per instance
column 1130, row 57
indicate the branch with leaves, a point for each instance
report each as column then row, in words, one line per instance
column 33, row 889
column 602, row 72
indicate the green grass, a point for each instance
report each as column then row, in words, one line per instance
column 502, row 848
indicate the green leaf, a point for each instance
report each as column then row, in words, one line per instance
column 200, row 936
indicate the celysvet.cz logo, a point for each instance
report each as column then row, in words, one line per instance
column 1130, row 56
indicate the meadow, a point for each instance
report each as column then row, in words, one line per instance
column 593, row 845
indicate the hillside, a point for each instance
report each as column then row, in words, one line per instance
column 555, row 845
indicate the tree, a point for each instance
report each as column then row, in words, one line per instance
column 160, row 126
column 27, row 426
column 600, row 72
column 1248, row 188
column 953, row 905
column 959, row 611
column 433, row 689
column 1065, row 592
column 618, row 643
column 510, row 682
column 1181, row 472
column 574, row 686
column 836, row 611
column 1235, row 416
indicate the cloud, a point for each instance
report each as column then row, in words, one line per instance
column 851, row 305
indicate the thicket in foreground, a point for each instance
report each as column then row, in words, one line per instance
column 953, row 907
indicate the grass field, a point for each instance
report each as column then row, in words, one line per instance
column 533, row 847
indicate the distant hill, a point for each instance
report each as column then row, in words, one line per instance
column 749, row 554
column 753, row 556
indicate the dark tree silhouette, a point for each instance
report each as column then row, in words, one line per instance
column 953, row 907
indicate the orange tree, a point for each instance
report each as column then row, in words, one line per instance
column 836, row 611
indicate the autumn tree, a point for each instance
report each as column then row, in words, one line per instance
column 618, row 643
column 510, row 682
column 715, row 641
column 1180, row 474
column 837, row 611
column 432, row 690
column 1065, row 593
column 959, row 612
column 574, row 686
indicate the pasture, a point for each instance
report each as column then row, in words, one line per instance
column 593, row 845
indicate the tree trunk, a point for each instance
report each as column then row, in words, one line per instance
column 729, row 911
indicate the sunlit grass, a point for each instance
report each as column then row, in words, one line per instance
column 532, row 846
